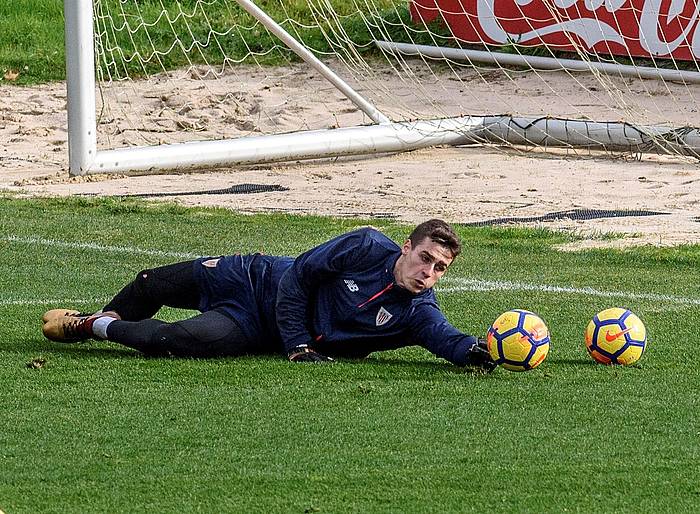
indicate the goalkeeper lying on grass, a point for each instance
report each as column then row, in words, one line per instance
column 353, row 295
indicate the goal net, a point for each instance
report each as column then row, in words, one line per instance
column 189, row 83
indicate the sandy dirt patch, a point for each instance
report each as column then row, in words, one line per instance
column 460, row 184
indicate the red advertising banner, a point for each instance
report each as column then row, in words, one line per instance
column 642, row 28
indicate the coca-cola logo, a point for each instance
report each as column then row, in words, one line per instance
column 628, row 27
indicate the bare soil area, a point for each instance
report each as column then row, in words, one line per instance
column 460, row 184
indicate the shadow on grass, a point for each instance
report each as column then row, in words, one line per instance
column 78, row 349
column 408, row 365
column 574, row 362
column 100, row 350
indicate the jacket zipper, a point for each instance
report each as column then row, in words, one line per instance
column 375, row 296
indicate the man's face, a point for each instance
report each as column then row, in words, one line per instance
column 421, row 266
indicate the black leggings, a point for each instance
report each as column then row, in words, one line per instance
column 171, row 286
column 209, row 334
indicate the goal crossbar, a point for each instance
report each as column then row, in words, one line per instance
column 84, row 156
column 401, row 136
column 382, row 137
column 311, row 144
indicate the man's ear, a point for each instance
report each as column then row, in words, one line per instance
column 406, row 248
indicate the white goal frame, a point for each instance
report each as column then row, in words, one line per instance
column 84, row 156
column 382, row 137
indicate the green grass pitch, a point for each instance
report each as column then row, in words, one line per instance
column 32, row 33
column 96, row 428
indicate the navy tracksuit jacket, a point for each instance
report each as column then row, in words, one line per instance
column 340, row 298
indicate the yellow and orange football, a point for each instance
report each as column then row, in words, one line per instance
column 616, row 336
column 518, row 340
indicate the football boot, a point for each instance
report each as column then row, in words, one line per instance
column 69, row 329
column 60, row 313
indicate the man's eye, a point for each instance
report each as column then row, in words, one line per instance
column 440, row 268
column 425, row 258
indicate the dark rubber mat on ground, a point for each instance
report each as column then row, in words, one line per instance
column 238, row 189
column 572, row 214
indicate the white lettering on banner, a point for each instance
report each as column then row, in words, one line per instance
column 649, row 25
column 489, row 23
column 592, row 5
column 610, row 5
column 695, row 45
column 613, row 5
column 590, row 31
column 640, row 27
column 676, row 8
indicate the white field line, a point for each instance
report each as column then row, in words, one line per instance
column 33, row 240
column 6, row 302
column 462, row 285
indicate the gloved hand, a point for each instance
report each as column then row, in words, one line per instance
column 303, row 353
column 479, row 356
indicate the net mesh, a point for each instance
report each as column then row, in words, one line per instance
column 171, row 71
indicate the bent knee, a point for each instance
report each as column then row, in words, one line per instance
column 172, row 339
column 142, row 276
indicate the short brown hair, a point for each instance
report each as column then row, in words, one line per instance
column 439, row 232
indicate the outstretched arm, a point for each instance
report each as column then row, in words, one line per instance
column 431, row 330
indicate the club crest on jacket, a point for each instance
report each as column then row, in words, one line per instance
column 383, row 316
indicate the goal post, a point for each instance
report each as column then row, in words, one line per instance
column 80, row 85
column 84, row 157
column 397, row 75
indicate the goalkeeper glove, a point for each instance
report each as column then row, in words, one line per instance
column 479, row 356
column 303, row 353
